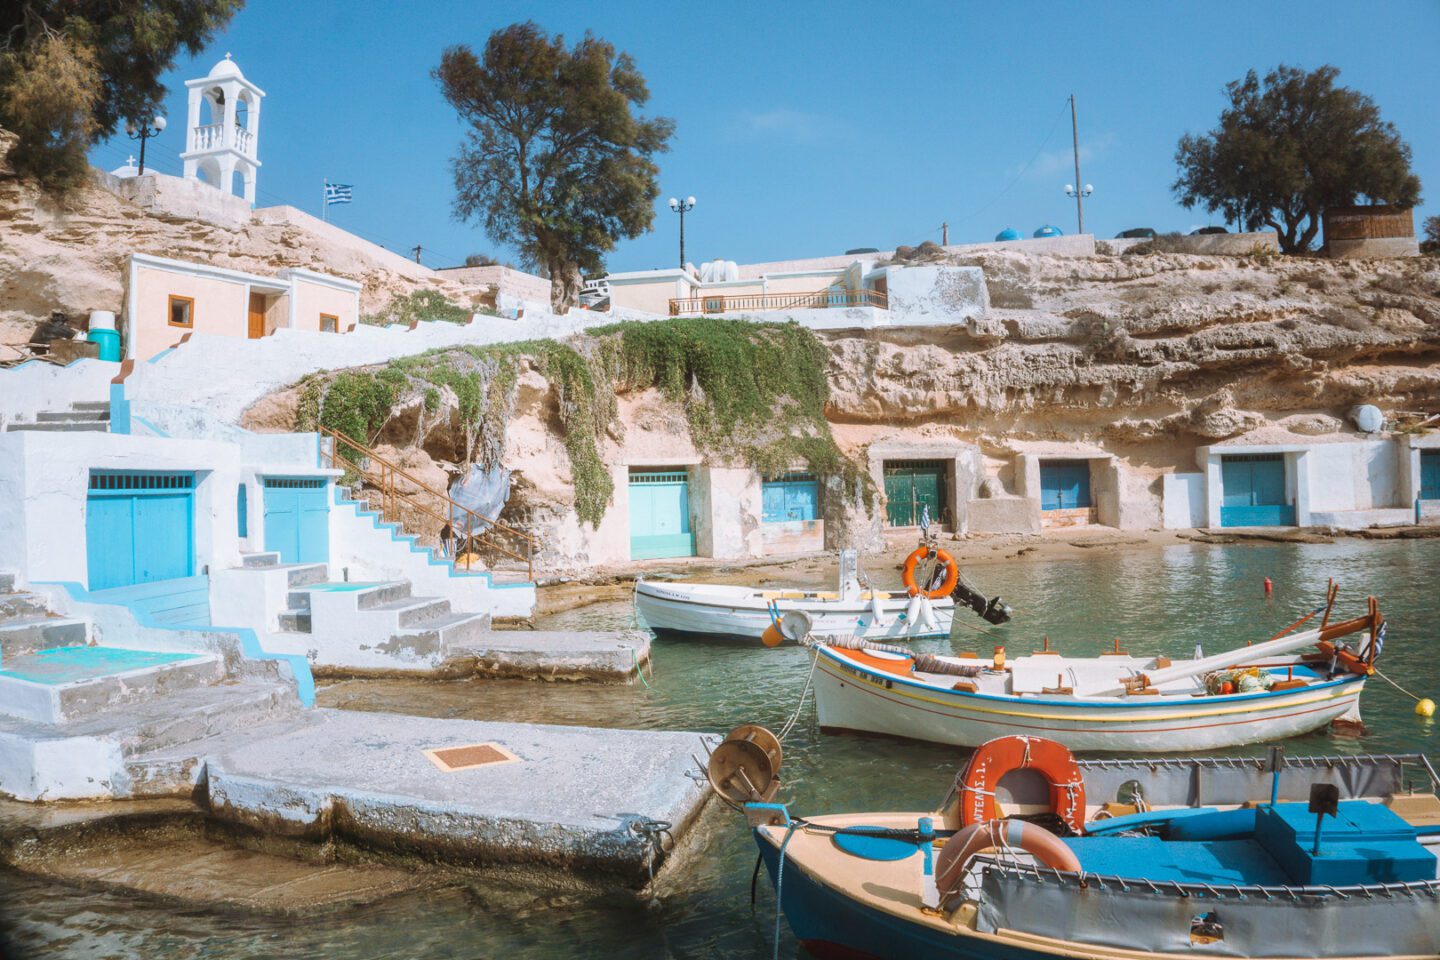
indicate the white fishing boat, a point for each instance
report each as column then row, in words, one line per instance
column 1115, row 702
column 852, row 609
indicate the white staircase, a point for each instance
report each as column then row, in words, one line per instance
column 86, row 416
column 78, row 718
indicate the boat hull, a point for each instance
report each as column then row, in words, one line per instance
column 680, row 613
column 849, row 696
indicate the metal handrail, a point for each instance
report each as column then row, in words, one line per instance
column 383, row 480
column 819, row 299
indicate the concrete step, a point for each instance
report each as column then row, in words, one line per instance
column 87, row 426
column 295, row 621
column 72, row 416
column 26, row 635
column 366, row 596
column 303, row 574
column 65, row 684
column 509, row 576
column 22, row 606
column 415, row 611
column 449, row 629
column 91, row 405
column 260, row 560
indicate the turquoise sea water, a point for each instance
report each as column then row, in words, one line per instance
column 1155, row 600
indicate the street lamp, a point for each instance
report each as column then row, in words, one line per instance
column 1079, row 196
column 142, row 133
column 681, row 207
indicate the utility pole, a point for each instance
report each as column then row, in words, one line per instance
column 417, row 253
column 1079, row 192
column 945, row 234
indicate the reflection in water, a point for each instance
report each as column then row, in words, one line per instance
column 1155, row 601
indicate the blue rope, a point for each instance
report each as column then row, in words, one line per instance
column 780, row 883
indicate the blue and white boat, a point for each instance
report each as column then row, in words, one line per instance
column 1192, row 857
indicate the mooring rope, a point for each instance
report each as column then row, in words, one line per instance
column 1396, row 685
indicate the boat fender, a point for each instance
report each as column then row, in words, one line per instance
column 952, row 574
column 912, row 612
column 993, row 759
column 954, row 859
column 876, row 611
column 927, row 614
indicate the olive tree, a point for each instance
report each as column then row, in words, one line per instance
column 1287, row 147
column 555, row 161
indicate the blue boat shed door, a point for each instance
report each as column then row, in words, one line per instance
column 1254, row 491
column 1430, row 474
column 660, row 514
column 1064, row 484
column 789, row 497
column 139, row 528
column 297, row 519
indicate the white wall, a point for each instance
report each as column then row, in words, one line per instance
column 31, row 387
column 1183, row 500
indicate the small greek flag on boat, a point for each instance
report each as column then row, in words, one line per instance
column 337, row 193
column 1380, row 639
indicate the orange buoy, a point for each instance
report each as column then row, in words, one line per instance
column 952, row 573
column 772, row 637
column 1269, row 587
column 993, row 759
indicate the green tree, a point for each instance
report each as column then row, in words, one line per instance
column 1288, row 147
column 1431, row 243
column 72, row 70
column 556, row 161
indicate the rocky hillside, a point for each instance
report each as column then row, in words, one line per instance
column 71, row 257
column 1156, row 347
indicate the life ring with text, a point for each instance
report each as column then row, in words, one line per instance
column 952, row 573
column 995, row 758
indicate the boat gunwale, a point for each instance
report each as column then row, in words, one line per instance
column 1109, row 703
column 761, row 605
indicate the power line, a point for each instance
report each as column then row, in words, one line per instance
column 1064, row 105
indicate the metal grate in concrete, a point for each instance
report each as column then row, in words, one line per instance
column 455, row 759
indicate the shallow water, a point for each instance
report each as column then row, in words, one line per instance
column 1158, row 601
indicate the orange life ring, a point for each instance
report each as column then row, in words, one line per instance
column 952, row 573
column 995, row 758
column 975, row 839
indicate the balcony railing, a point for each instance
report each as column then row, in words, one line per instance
column 211, row 137
column 817, row 300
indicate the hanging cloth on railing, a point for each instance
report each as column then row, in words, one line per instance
column 483, row 492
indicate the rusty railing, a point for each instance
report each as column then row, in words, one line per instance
column 373, row 476
column 815, row 300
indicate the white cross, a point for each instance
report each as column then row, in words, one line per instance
column 130, row 160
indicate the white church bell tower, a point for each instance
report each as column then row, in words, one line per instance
column 223, row 129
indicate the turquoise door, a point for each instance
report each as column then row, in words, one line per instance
column 1430, row 474
column 297, row 519
column 911, row 488
column 660, row 515
column 791, row 496
column 1254, row 492
column 1064, row 484
column 139, row 528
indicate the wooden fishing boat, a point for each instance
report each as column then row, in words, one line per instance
column 722, row 610
column 1116, row 702
column 1317, row 857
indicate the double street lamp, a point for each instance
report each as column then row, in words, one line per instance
column 142, row 133
column 681, row 207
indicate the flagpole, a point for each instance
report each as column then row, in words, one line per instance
column 324, row 200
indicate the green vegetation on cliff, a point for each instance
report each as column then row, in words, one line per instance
column 752, row 393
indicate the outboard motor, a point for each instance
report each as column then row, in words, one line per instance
column 993, row 610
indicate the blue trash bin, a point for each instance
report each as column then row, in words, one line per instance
column 109, row 341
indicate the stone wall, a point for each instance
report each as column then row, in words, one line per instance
column 167, row 196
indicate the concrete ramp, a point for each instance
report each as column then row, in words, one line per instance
column 569, row 797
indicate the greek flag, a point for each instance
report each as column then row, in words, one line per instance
column 337, row 193
column 924, row 517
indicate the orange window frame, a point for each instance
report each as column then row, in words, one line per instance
column 334, row 320
column 190, row 311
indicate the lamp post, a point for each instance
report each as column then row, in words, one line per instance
column 142, row 133
column 681, row 207
column 1076, row 190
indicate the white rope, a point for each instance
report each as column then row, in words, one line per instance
column 795, row 717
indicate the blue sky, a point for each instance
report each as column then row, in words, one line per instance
column 805, row 128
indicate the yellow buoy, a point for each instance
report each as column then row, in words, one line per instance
column 1425, row 707
column 772, row 637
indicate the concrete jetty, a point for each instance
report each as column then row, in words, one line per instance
column 613, row 656
column 577, row 798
